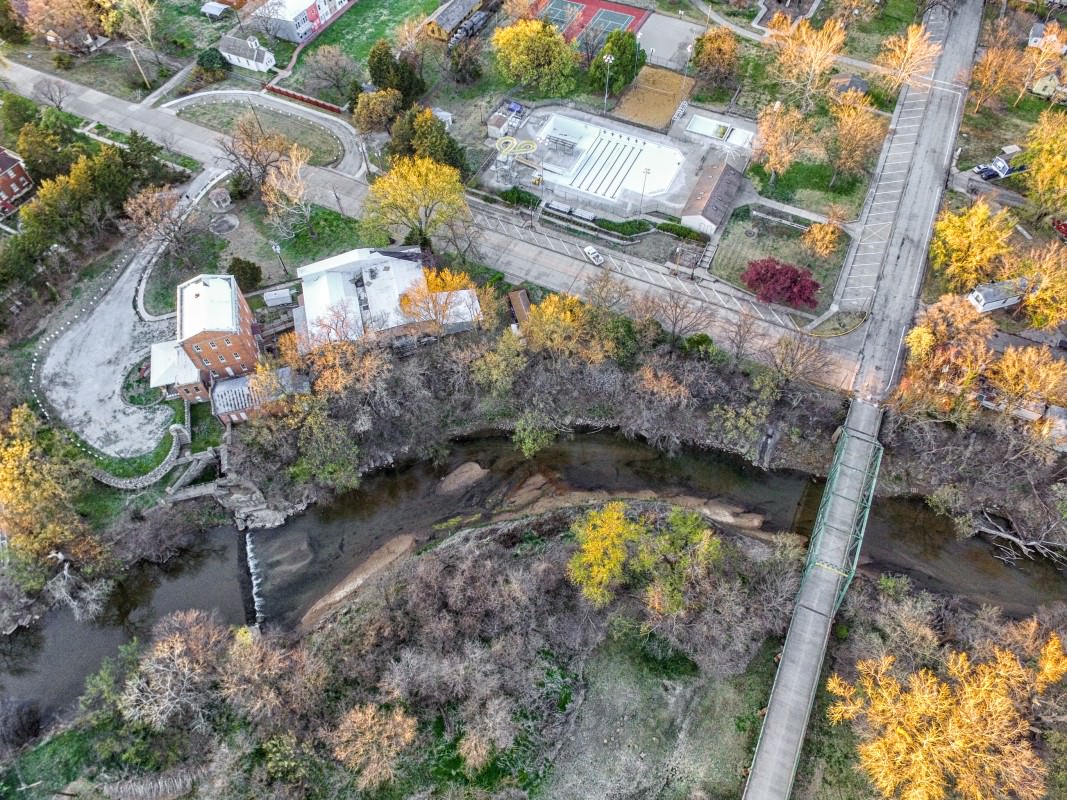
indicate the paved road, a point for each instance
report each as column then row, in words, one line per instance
column 886, row 275
column 83, row 369
column 554, row 260
column 899, row 278
column 329, row 187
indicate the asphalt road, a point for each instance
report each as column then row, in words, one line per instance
column 340, row 188
column 899, row 281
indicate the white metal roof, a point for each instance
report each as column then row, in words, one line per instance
column 365, row 285
column 214, row 9
column 171, row 366
column 283, row 9
column 207, row 303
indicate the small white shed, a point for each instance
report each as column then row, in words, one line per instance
column 278, row 297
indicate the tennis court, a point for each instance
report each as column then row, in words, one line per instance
column 604, row 22
column 561, row 13
column 592, row 20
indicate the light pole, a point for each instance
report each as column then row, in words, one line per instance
column 637, row 55
column 609, row 59
column 641, row 208
column 277, row 248
column 685, row 74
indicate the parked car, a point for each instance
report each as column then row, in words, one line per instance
column 986, row 172
column 593, row 255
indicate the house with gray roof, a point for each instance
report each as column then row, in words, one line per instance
column 246, row 53
column 712, row 199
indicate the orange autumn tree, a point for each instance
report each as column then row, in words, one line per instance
column 442, row 296
column 603, row 539
column 965, row 736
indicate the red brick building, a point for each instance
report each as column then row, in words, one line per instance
column 15, row 181
column 215, row 340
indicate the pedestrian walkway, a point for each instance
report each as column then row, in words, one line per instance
column 831, row 564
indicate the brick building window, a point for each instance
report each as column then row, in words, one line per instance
column 227, row 342
column 236, row 356
column 196, row 348
column 222, row 358
column 212, row 344
column 207, row 362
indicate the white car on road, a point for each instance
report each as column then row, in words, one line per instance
column 593, row 255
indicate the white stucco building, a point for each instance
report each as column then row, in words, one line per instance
column 359, row 292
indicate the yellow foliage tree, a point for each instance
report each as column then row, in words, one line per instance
column 603, row 538
column 560, row 326
column 715, row 54
column 965, row 736
column 1000, row 67
column 1046, row 153
column 1041, row 61
column 534, row 53
column 781, row 133
column 856, row 135
column 417, row 194
column 37, row 492
column 908, row 57
column 967, row 247
column 821, row 238
column 441, row 297
column 1045, row 269
column 1028, row 375
column 805, row 55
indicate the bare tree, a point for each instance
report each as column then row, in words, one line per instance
column 156, row 214
column 604, row 290
column 740, row 337
column 253, row 153
column 329, row 67
column 140, row 19
column 797, row 357
column 285, row 195
column 51, row 91
column 678, row 314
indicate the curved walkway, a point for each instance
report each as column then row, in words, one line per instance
column 351, row 162
column 86, row 360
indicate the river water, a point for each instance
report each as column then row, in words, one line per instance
column 300, row 561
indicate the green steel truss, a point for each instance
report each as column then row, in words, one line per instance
column 861, row 509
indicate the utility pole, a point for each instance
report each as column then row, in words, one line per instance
column 609, row 59
column 137, row 61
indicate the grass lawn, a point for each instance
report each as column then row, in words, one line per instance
column 982, row 135
column 159, row 297
column 828, row 767
column 807, row 185
column 656, row 721
column 49, row 767
column 358, row 28
column 865, row 37
column 206, row 429
column 737, row 248
column 105, row 70
column 324, row 147
column 185, row 30
column 334, row 233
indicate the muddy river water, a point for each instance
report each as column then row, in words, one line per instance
column 297, row 563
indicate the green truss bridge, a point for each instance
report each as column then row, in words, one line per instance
column 832, row 557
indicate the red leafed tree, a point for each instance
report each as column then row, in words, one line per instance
column 776, row 282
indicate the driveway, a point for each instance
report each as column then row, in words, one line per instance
column 82, row 373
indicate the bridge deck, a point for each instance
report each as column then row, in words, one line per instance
column 827, row 575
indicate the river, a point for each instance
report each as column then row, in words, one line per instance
column 303, row 559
